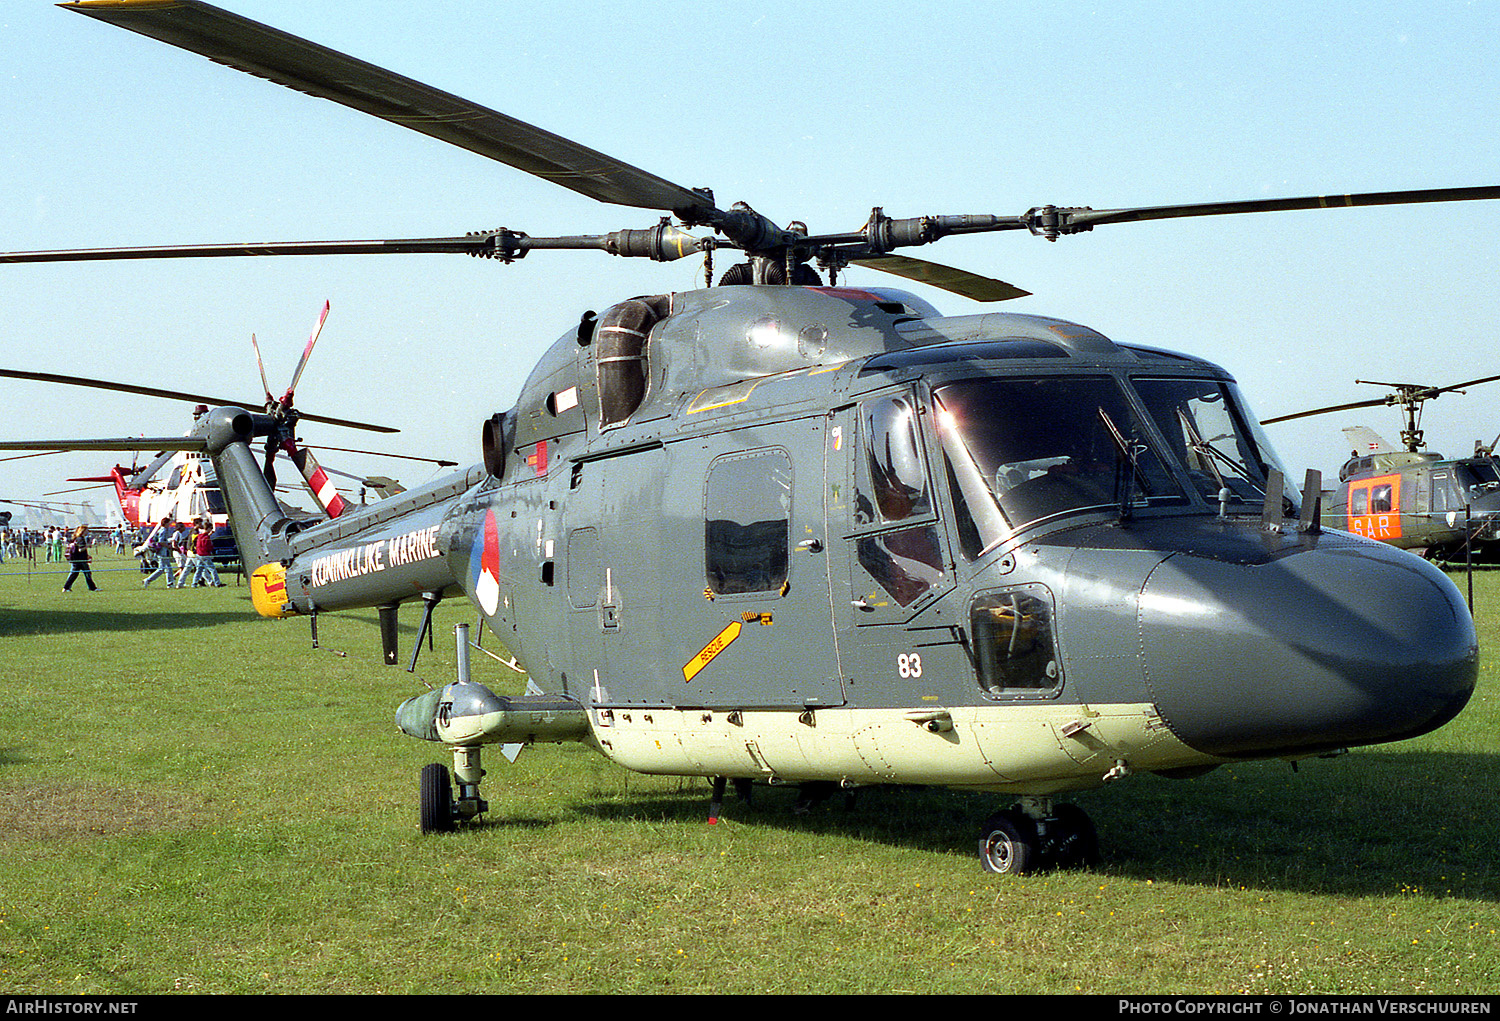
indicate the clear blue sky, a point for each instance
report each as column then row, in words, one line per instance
column 807, row 111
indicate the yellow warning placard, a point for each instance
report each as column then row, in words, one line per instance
column 720, row 642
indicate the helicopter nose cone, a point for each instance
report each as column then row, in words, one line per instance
column 1346, row 643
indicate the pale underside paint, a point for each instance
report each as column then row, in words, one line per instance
column 1012, row 748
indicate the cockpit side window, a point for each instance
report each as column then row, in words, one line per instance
column 900, row 549
column 1478, row 476
column 893, row 483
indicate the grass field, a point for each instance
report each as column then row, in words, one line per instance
column 193, row 799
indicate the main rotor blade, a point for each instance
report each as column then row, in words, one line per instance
column 958, row 281
column 39, row 453
column 469, row 244
column 176, row 395
column 1414, row 392
column 1459, row 386
column 1323, row 411
column 104, row 384
column 662, row 243
column 116, row 443
column 39, row 504
column 1082, row 219
column 326, row 471
column 319, row 71
column 148, row 473
column 80, row 489
column 380, row 453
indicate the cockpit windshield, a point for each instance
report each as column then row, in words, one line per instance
column 1206, row 432
column 1479, row 475
column 1024, row 449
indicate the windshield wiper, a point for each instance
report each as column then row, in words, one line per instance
column 1130, row 454
column 1208, row 455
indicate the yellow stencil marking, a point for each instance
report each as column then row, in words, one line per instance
column 732, row 393
column 720, row 642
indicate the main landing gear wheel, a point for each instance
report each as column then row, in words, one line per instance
column 1008, row 843
column 1037, row 836
column 1070, row 840
column 436, row 798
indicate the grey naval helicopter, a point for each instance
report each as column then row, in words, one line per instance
column 777, row 530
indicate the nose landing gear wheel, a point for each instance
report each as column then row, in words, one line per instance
column 436, row 799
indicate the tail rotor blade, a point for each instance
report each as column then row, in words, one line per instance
column 264, row 385
column 306, row 353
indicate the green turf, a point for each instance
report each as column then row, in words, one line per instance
column 193, row 799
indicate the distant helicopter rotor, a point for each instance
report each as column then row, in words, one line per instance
column 1410, row 396
column 151, row 391
column 280, row 439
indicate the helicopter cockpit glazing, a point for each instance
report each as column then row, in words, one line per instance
column 1206, row 431
column 893, row 507
column 1479, row 476
column 1025, row 450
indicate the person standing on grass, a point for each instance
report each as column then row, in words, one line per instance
column 78, row 558
column 157, row 544
column 182, row 553
column 187, row 547
column 203, row 547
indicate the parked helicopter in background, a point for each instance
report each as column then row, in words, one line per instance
column 37, row 514
column 1414, row 499
column 176, row 484
column 180, row 485
column 781, row 531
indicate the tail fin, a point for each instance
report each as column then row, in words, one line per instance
column 1364, row 441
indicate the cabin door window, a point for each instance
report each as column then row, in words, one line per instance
column 748, row 522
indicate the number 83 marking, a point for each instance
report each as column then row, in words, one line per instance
column 909, row 664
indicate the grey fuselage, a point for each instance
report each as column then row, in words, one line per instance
column 891, row 546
